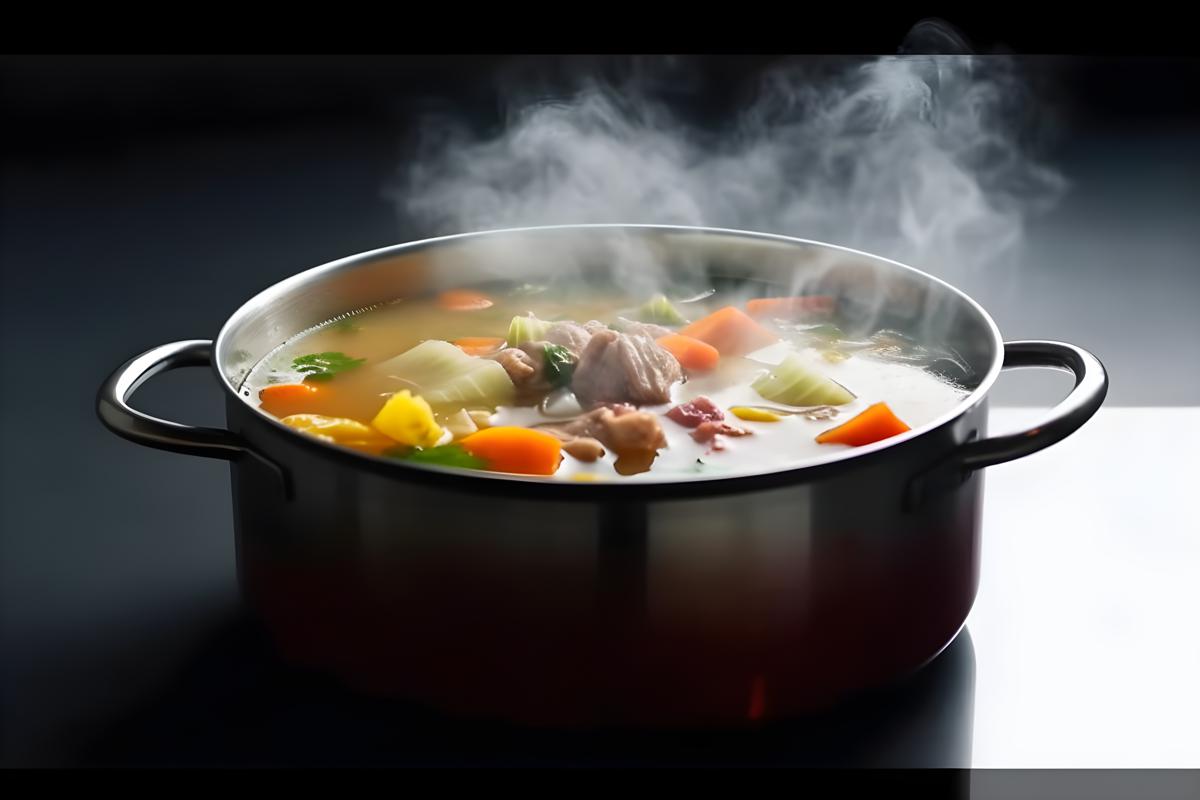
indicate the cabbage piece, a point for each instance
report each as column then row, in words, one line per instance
column 460, row 424
column 445, row 375
column 659, row 310
column 795, row 384
column 526, row 329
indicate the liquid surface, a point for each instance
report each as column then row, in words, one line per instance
column 881, row 368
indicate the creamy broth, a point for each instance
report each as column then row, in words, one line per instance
column 885, row 369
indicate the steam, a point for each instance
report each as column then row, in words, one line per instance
column 916, row 158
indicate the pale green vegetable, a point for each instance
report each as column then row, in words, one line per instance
column 659, row 310
column 795, row 384
column 460, row 424
column 445, row 375
column 526, row 329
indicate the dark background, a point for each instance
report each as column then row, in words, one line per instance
column 145, row 198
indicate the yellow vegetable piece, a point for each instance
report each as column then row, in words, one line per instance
column 339, row 430
column 408, row 419
column 754, row 414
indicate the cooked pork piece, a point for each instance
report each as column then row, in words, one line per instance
column 620, row 368
column 710, row 430
column 620, row 427
column 526, row 370
column 584, row 448
column 642, row 328
column 702, row 409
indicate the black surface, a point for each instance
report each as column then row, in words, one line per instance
column 144, row 200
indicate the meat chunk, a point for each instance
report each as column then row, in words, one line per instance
column 711, row 429
column 526, row 364
column 573, row 336
column 702, row 409
column 620, row 368
column 584, row 448
column 525, row 371
column 610, row 366
column 620, row 427
column 631, row 431
column 648, row 329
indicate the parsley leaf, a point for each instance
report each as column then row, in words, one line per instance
column 447, row 455
column 323, row 366
column 560, row 365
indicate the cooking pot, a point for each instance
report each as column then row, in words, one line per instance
column 713, row 599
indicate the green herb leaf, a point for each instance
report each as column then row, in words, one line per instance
column 447, row 455
column 560, row 365
column 323, row 366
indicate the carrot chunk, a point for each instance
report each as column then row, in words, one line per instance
column 731, row 332
column 789, row 307
column 464, row 300
column 876, row 423
column 692, row 354
column 479, row 345
column 512, row 449
column 285, row 399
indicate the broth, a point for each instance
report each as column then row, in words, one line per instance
column 882, row 383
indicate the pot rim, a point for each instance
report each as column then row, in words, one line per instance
column 646, row 489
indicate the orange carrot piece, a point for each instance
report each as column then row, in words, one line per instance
column 285, row 399
column 731, row 332
column 512, row 449
column 479, row 345
column 876, row 423
column 692, row 354
column 464, row 300
column 789, row 307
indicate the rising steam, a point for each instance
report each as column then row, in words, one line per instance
column 917, row 158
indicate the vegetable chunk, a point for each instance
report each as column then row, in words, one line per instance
column 873, row 425
column 512, row 449
column 731, row 332
column 408, row 419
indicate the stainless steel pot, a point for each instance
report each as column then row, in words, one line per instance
column 710, row 600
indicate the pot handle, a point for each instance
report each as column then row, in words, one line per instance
column 1091, row 385
column 127, row 422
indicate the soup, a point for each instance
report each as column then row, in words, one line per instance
column 586, row 384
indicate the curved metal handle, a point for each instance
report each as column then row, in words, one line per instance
column 120, row 418
column 1091, row 385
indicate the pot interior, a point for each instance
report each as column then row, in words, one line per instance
column 873, row 293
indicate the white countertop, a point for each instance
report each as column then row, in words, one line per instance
column 1086, row 629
